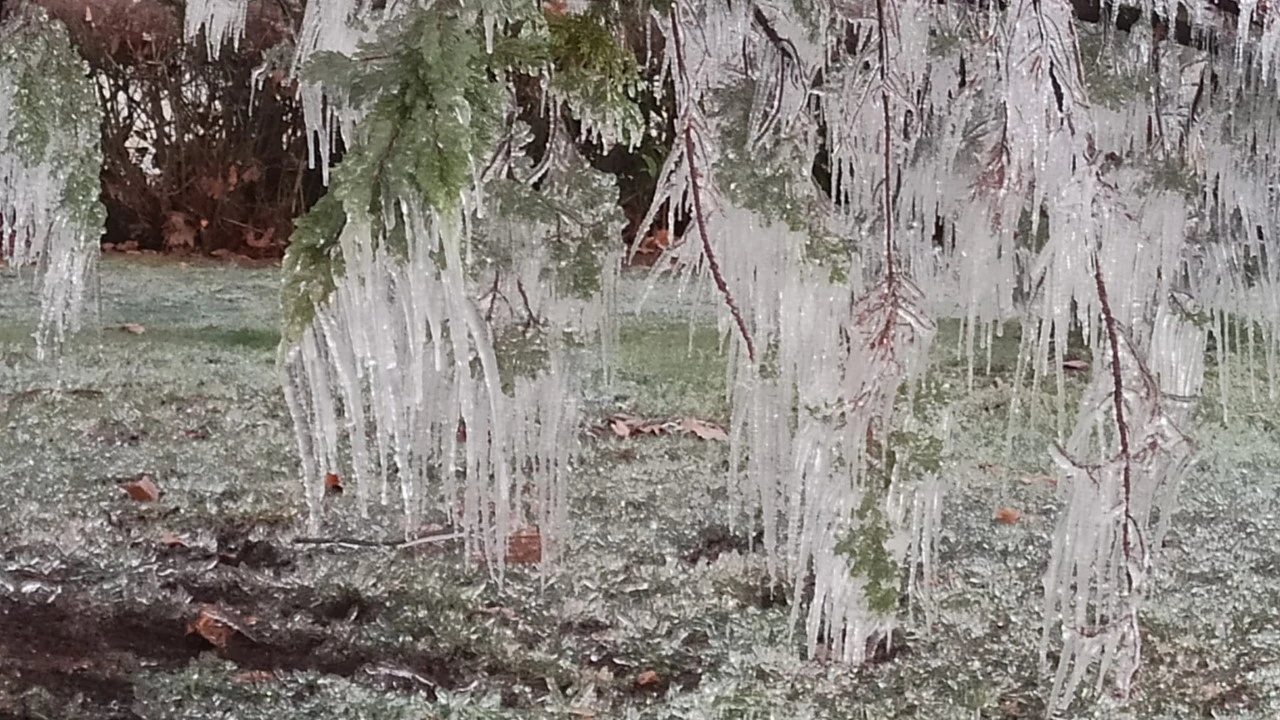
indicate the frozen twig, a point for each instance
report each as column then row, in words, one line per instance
column 393, row 544
column 888, row 140
column 695, row 191
column 1122, row 427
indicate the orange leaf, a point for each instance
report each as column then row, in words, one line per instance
column 646, row 678
column 210, row 629
column 332, row 484
column 1008, row 516
column 142, row 489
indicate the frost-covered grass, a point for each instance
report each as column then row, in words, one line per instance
column 380, row 633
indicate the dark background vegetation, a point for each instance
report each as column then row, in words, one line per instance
column 199, row 158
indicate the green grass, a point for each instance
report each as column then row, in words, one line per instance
column 671, row 368
column 195, row 403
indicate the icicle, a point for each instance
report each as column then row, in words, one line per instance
column 50, row 126
column 222, row 22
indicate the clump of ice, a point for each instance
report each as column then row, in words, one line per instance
column 221, row 20
column 50, row 216
column 397, row 384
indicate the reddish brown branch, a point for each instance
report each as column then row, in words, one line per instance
column 695, row 190
column 888, row 138
column 1117, row 395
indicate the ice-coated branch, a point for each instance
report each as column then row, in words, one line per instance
column 1122, row 427
column 882, row 28
column 695, row 191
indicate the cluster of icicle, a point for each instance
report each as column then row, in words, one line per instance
column 36, row 226
column 397, row 383
column 993, row 133
column 801, row 422
column 386, row 370
column 222, row 22
column 821, row 374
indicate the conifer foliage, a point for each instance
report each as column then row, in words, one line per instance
column 430, row 296
column 50, row 159
column 849, row 172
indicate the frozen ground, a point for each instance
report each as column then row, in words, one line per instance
column 659, row 611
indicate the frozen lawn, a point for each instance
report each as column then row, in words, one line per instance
column 659, row 611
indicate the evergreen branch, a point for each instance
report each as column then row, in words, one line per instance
column 695, row 191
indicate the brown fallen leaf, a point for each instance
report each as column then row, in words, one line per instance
column 524, row 546
column 253, row 677
column 215, row 624
column 652, row 428
column 505, row 613
column 647, row 678
column 620, row 428
column 196, row 434
column 209, row 628
column 169, row 539
column 1075, row 364
column 142, row 488
column 1008, row 516
column 332, row 484
column 704, row 429
column 133, row 328
column 1049, row 480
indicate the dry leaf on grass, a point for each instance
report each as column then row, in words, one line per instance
column 253, row 677
column 210, row 629
column 1049, row 480
column 626, row 425
column 1008, row 516
column 217, row 625
column 524, row 546
column 1075, row 365
column 142, row 489
column 133, row 328
column 704, row 429
column 332, row 484
column 620, row 428
column 647, row 678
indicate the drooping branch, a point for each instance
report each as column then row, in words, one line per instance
column 695, row 191
column 888, row 139
column 1117, row 395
